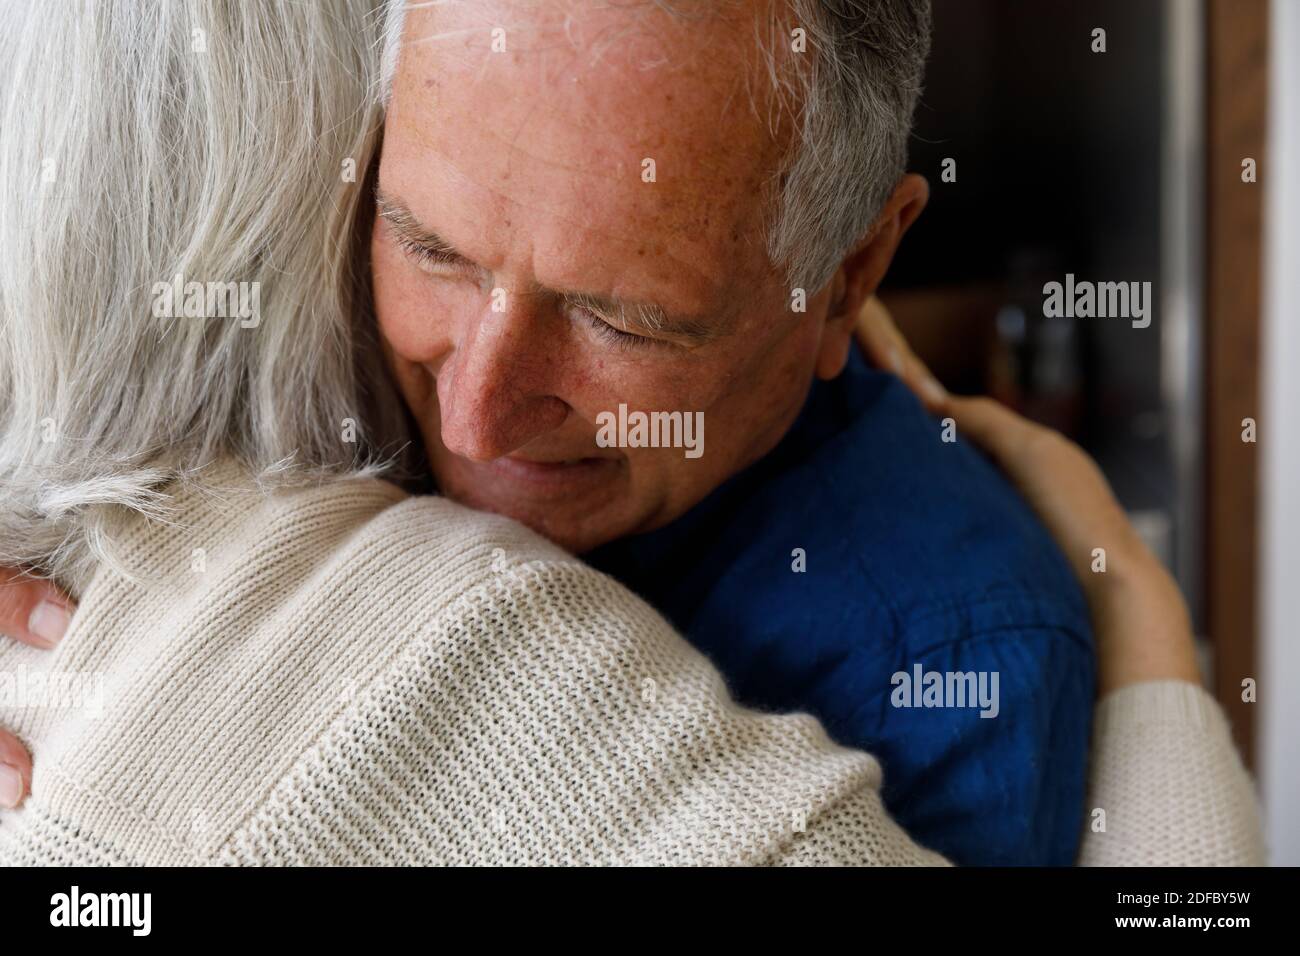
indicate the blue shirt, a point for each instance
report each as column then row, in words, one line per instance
column 917, row 552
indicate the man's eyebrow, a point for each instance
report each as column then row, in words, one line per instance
column 645, row 316
column 623, row 314
column 396, row 214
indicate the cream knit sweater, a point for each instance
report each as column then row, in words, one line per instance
column 346, row 675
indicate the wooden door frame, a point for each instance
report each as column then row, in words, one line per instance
column 1236, row 118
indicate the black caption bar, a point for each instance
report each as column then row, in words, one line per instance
column 214, row 906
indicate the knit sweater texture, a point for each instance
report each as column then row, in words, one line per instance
column 347, row 675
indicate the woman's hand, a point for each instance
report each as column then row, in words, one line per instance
column 1139, row 617
column 34, row 612
column 886, row 347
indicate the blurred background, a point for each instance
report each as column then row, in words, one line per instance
column 1127, row 166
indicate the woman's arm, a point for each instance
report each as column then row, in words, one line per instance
column 1164, row 778
column 1140, row 619
column 546, row 714
column 550, row 716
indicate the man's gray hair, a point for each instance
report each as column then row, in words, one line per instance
column 854, row 83
column 857, row 100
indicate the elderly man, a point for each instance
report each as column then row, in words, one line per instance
column 682, row 208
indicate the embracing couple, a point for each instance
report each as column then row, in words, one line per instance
column 361, row 583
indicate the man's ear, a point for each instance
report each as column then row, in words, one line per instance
column 860, row 273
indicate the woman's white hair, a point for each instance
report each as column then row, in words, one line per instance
column 221, row 142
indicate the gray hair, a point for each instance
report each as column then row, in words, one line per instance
column 857, row 103
column 180, row 138
column 854, row 87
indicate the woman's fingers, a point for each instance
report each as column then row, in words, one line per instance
column 31, row 610
column 36, row 613
column 877, row 336
column 15, row 771
column 886, row 347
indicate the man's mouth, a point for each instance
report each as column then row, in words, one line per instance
column 557, row 476
column 549, row 462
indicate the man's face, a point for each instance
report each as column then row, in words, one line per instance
column 528, row 165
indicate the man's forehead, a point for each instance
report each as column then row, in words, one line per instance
column 589, row 32
column 620, row 76
column 596, row 127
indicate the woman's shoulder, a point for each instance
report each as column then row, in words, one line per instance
column 229, row 634
column 342, row 673
column 362, row 531
column 272, row 563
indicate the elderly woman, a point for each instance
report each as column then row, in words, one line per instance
column 281, row 654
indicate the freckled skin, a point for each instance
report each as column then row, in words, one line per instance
column 530, row 165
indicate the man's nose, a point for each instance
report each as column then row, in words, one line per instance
column 496, row 391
